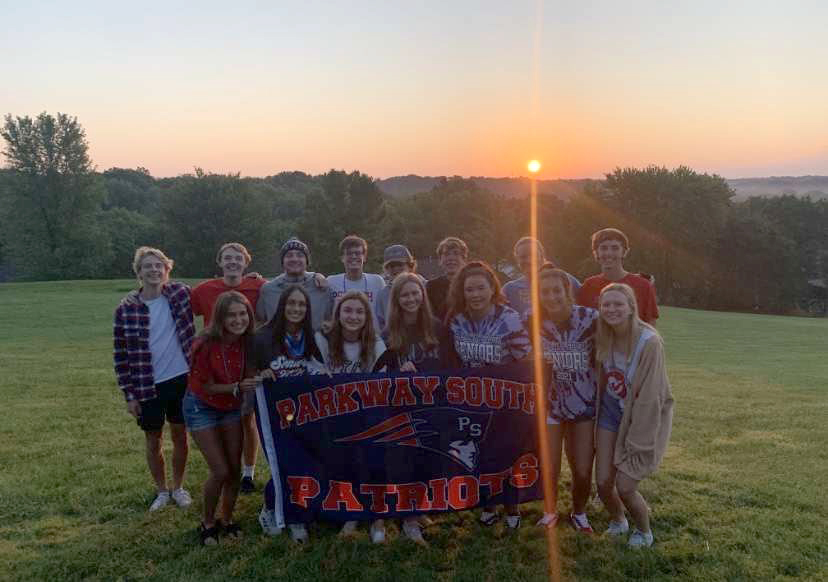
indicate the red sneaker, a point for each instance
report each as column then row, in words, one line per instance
column 580, row 524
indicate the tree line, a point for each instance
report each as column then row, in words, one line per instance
column 62, row 219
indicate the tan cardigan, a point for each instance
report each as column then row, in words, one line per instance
column 648, row 414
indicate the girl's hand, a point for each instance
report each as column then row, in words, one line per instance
column 267, row 374
column 408, row 367
column 248, row 384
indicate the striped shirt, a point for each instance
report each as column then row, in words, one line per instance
column 131, row 329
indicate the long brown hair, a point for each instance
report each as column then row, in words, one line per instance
column 397, row 337
column 215, row 331
column 550, row 271
column 367, row 336
column 605, row 339
column 457, row 297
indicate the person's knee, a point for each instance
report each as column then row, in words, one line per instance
column 582, row 478
column 627, row 488
column 221, row 473
column 606, row 486
column 179, row 437
column 153, row 441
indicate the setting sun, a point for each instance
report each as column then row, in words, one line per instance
column 534, row 166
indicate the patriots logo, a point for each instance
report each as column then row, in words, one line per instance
column 449, row 432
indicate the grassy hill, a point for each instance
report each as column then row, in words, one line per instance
column 739, row 496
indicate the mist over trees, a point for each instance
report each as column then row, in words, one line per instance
column 62, row 219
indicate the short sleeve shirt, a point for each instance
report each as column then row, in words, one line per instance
column 205, row 294
column 216, row 363
column 645, row 294
column 499, row 338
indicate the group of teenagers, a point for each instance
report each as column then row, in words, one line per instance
column 609, row 403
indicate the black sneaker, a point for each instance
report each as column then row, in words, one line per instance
column 247, row 486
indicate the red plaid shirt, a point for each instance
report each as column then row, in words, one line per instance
column 132, row 355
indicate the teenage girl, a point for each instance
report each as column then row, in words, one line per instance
column 635, row 410
column 350, row 345
column 212, row 408
column 483, row 331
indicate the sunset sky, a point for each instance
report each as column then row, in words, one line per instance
column 431, row 88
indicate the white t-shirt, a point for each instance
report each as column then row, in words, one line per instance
column 352, row 363
column 168, row 359
column 369, row 284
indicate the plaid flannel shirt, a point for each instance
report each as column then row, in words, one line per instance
column 132, row 355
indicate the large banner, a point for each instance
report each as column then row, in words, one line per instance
column 363, row 446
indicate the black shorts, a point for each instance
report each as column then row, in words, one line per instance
column 165, row 406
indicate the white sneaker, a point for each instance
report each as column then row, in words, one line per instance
column 162, row 499
column 182, row 498
column 268, row 523
column 378, row 531
column 348, row 528
column 513, row 521
column 298, row 532
column 640, row 539
column 488, row 517
column 548, row 520
column 617, row 528
column 411, row 529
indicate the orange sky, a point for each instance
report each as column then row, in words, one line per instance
column 391, row 88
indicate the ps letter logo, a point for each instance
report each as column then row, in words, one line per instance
column 464, row 423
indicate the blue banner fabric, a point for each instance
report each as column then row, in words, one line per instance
column 367, row 446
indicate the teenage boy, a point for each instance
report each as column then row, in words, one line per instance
column 452, row 253
column 233, row 259
column 396, row 259
column 354, row 252
column 295, row 258
column 518, row 292
column 609, row 247
column 153, row 332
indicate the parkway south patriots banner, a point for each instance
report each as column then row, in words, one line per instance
column 364, row 446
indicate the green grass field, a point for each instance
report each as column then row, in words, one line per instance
column 739, row 496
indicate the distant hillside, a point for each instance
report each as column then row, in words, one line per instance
column 402, row 186
column 814, row 186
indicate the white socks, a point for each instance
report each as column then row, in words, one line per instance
column 248, row 470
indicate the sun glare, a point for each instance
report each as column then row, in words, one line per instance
column 534, row 166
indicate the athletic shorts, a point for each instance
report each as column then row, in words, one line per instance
column 199, row 415
column 165, row 407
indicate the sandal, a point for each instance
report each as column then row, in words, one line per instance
column 209, row 535
column 231, row 530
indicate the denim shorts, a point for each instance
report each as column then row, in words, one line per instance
column 609, row 418
column 199, row 415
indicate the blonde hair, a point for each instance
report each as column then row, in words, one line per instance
column 367, row 335
column 452, row 242
column 606, row 340
column 238, row 247
column 142, row 252
column 397, row 338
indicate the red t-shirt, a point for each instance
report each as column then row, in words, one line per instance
column 216, row 363
column 205, row 294
column 644, row 294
